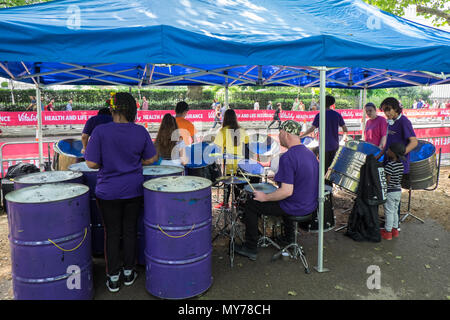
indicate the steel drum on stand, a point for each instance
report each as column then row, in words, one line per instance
column 200, row 162
column 177, row 222
column 262, row 147
column 67, row 152
column 97, row 228
column 423, row 169
column 50, row 242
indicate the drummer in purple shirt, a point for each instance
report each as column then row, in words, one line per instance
column 119, row 149
column 297, row 176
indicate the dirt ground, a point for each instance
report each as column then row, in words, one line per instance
column 425, row 204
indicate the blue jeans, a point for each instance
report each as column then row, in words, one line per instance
column 391, row 210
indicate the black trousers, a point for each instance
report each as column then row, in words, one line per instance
column 253, row 209
column 273, row 121
column 120, row 221
column 329, row 156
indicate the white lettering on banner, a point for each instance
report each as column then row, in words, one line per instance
column 25, row 117
column 5, row 119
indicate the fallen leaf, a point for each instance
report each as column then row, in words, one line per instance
column 337, row 287
column 292, row 293
column 427, row 266
column 398, row 257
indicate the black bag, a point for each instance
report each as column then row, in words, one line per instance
column 20, row 169
column 374, row 186
column 363, row 223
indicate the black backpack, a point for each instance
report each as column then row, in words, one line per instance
column 20, row 169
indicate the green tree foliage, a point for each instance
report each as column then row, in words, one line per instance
column 437, row 10
column 15, row 3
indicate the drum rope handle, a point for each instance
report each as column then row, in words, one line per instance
column 176, row 237
column 68, row 250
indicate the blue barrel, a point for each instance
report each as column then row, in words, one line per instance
column 45, row 177
column 151, row 172
column 177, row 221
column 97, row 227
column 50, row 242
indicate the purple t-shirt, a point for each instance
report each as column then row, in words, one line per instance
column 400, row 131
column 95, row 121
column 333, row 120
column 299, row 166
column 119, row 149
column 375, row 130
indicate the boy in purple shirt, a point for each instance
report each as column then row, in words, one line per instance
column 333, row 120
column 297, row 176
column 119, row 149
column 103, row 116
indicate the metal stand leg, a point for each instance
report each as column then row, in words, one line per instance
column 408, row 213
column 264, row 241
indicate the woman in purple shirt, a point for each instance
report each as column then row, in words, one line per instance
column 119, row 149
column 399, row 129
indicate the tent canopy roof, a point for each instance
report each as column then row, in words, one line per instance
column 224, row 42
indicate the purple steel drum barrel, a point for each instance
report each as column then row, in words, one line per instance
column 177, row 222
column 50, row 242
column 152, row 172
column 45, row 177
column 97, row 228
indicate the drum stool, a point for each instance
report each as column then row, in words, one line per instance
column 298, row 249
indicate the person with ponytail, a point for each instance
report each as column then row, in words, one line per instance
column 119, row 149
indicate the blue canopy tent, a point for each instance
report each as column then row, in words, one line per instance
column 333, row 43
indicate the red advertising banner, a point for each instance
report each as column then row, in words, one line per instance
column 80, row 117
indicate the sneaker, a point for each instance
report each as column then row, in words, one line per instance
column 395, row 233
column 221, row 205
column 129, row 276
column 246, row 252
column 113, row 283
column 386, row 235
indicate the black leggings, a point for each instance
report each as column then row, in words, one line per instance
column 120, row 220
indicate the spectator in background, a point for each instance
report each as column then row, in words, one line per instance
column 313, row 105
column 276, row 116
column 215, row 104
column 447, row 105
column 144, row 104
column 69, row 108
column 186, row 128
column 414, row 105
column 302, row 106
column 296, row 105
column 217, row 116
column 32, row 105
column 256, row 105
column 269, row 106
column 420, row 104
column 50, row 107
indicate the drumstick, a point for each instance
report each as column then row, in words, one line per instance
column 247, row 180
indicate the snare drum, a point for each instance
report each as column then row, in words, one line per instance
column 328, row 214
column 247, row 194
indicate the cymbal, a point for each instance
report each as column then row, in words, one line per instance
column 230, row 180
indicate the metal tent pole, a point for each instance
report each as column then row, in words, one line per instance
column 322, row 114
column 39, row 126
